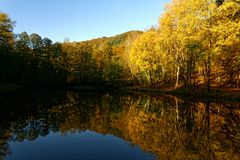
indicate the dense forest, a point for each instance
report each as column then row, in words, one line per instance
column 33, row 60
column 197, row 42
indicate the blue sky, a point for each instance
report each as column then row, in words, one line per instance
column 82, row 19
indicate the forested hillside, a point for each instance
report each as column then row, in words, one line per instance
column 33, row 60
column 197, row 42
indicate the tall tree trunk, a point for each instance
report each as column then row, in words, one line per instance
column 208, row 74
column 177, row 112
column 238, row 79
column 150, row 76
column 177, row 78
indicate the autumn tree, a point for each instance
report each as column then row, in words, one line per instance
column 185, row 26
column 6, row 34
column 7, row 65
column 145, row 56
column 226, row 31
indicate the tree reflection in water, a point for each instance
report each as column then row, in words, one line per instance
column 169, row 127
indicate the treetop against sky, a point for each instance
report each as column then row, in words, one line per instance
column 82, row 19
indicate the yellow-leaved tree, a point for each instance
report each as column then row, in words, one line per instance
column 186, row 31
column 6, row 34
column 226, row 31
column 144, row 57
column 149, row 61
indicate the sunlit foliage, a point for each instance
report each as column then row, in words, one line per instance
column 196, row 43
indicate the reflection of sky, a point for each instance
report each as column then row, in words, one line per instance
column 87, row 145
column 82, row 19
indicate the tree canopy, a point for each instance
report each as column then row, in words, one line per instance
column 196, row 43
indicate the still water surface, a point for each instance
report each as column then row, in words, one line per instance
column 48, row 125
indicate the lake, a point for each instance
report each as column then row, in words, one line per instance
column 68, row 125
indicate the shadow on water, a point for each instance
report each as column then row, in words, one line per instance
column 165, row 126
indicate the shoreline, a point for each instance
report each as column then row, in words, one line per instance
column 216, row 94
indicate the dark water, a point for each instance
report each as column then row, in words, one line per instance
column 48, row 125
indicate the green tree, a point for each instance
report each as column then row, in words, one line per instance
column 36, row 44
column 23, row 43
